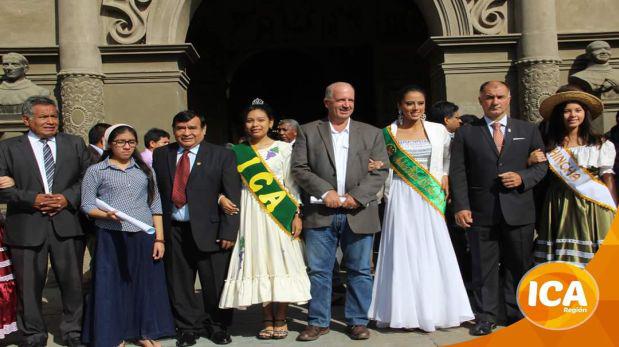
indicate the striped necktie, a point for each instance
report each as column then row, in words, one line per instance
column 50, row 165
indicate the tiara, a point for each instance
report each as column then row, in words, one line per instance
column 257, row 101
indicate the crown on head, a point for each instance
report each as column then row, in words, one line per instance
column 257, row 101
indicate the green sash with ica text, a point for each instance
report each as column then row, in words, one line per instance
column 415, row 175
column 265, row 187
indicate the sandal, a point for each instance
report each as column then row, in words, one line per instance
column 280, row 329
column 267, row 332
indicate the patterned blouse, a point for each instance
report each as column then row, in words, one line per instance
column 126, row 191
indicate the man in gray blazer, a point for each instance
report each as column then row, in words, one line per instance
column 330, row 163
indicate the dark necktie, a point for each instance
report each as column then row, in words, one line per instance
column 50, row 164
column 497, row 136
column 179, row 195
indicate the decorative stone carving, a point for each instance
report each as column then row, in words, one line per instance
column 14, row 90
column 82, row 102
column 598, row 77
column 129, row 25
column 538, row 80
column 488, row 17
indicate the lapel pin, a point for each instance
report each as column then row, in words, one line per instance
column 198, row 163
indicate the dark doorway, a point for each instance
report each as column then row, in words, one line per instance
column 287, row 51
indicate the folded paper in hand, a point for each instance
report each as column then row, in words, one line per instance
column 103, row 206
column 317, row 201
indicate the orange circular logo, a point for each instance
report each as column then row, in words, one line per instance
column 558, row 295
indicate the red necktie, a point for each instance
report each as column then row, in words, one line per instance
column 497, row 136
column 179, row 196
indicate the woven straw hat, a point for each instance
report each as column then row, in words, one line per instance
column 595, row 105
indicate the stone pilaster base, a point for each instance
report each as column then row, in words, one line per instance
column 537, row 79
column 81, row 101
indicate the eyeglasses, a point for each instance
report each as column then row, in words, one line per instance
column 122, row 143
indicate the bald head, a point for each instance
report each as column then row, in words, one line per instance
column 494, row 98
column 597, row 45
column 492, row 85
column 337, row 86
column 598, row 52
column 339, row 101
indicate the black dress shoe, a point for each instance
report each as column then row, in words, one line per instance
column 75, row 342
column 482, row 328
column 185, row 339
column 31, row 344
column 221, row 337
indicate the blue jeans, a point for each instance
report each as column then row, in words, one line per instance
column 321, row 245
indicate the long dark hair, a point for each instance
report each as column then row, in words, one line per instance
column 557, row 130
column 136, row 157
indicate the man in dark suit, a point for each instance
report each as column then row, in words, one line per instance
column 330, row 162
column 492, row 196
column 95, row 141
column 42, row 218
column 191, row 173
column 95, row 149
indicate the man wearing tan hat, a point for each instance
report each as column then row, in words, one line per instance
column 492, row 196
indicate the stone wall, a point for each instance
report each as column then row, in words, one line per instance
column 582, row 16
column 27, row 23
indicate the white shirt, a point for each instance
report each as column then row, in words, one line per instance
column 340, row 150
column 99, row 150
column 182, row 214
column 37, row 148
column 502, row 121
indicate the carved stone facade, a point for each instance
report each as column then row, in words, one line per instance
column 82, row 102
column 538, row 79
column 138, row 60
column 488, row 17
column 128, row 20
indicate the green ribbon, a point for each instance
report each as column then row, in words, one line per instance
column 265, row 187
column 414, row 174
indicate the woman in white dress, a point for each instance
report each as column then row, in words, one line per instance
column 267, row 265
column 418, row 282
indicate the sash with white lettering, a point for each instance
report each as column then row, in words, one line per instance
column 580, row 180
column 414, row 174
column 265, row 187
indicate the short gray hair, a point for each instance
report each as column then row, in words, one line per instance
column 31, row 102
column 330, row 87
column 292, row 122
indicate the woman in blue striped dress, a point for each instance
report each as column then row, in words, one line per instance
column 129, row 300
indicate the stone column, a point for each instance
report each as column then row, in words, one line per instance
column 538, row 63
column 81, row 76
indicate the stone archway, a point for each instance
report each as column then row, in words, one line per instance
column 167, row 21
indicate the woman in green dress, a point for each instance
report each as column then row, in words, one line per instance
column 580, row 202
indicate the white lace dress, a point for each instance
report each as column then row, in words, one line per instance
column 267, row 265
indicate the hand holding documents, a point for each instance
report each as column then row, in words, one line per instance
column 317, row 201
column 103, row 206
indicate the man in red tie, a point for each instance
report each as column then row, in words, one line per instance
column 191, row 174
column 492, row 196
